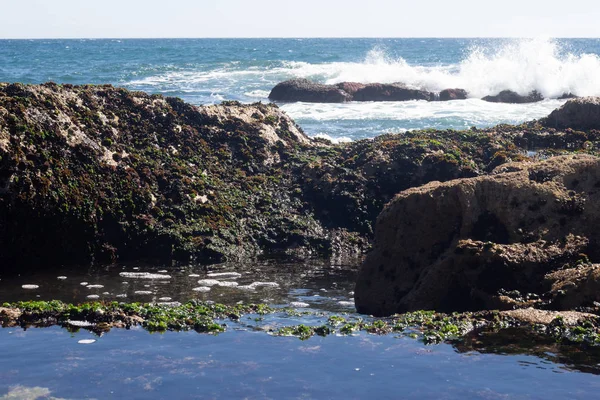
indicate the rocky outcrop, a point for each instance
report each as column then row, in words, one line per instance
column 487, row 242
column 305, row 90
column 453, row 94
column 102, row 173
column 311, row 92
column 508, row 96
column 579, row 113
column 390, row 92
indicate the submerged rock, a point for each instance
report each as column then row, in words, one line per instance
column 508, row 96
column 464, row 244
column 579, row 113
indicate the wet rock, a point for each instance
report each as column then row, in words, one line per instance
column 568, row 95
column 579, row 113
column 545, row 317
column 453, row 94
column 455, row 245
column 391, row 92
column 576, row 287
column 508, row 96
column 305, row 90
column 350, row 87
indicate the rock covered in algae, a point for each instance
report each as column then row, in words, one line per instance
column 469, row 244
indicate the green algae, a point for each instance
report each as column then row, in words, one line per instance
column 205, row 317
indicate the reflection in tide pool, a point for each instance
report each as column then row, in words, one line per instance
column 245, row 364
column 322, row 285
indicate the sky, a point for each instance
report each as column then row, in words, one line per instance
column 304, row 18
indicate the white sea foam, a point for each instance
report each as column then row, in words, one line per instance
column 224, row 275
column 299, row 304
column 30, row 287
column 256, row 285
column 228, row 284
column 144, row 275
column 332, row 139
column 208, row 282
column 80, row 324
column 476, row 112
column 201, row 289
column 520, row 65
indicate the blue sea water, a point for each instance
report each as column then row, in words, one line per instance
column 206, row 71
column 51, row 363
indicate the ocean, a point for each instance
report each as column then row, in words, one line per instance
column 208, row 71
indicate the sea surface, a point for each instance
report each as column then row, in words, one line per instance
column 207, row 71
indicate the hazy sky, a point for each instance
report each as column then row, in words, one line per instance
column 298, row 18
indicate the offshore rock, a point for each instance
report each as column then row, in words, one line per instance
column 453, row 94
column 305, row 90
column 508, row 96
column 350, row 87
column 311, row 92
column 579, row 113
column 391, row 92
column 471, row 244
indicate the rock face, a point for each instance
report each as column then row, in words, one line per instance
column 453, row 94
column 508, row 96
column 478, row 243
column 579, row 113
column 311, row 92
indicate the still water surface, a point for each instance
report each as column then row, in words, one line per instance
column 247, row 361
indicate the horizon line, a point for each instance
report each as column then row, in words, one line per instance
column 298, row 37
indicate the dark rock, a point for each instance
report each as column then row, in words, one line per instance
column 453, row 94
column 391, row 92
column 460, row 245
column 580, row 113
column 566, row 96
column 508, row 96
column 576, row 287
column 350, row 87
column 305, row 90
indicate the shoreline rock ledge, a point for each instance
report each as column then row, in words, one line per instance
column 525, row 236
